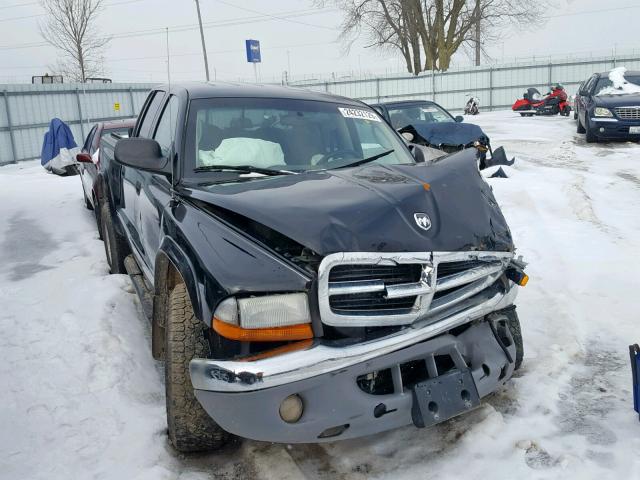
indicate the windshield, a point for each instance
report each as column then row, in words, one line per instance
column 410, row 114
column 607, row 86
column 286, row 135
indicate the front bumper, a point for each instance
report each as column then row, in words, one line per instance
column 244, row 397
column 613, row 128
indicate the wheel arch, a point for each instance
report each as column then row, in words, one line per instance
column 172, row 266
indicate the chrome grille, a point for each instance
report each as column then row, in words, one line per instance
column 364, row 288
column 372, row 289
column 628, row 113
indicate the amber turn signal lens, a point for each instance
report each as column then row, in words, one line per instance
column 517, row 276
column 275, row 334
column 274, row 352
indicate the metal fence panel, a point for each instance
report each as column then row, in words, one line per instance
column 497, row 86
column 26, row 110
column 31, row 107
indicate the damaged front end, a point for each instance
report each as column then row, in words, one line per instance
column 410, row 277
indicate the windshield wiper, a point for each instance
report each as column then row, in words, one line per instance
column 243, row 168
column 368, row 159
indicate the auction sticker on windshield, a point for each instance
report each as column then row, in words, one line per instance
column 359, row 113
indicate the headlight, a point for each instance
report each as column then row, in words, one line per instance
column 602, row 112
column 267, row 318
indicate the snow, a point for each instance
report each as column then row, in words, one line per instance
column 82, row 397
column 620, row 84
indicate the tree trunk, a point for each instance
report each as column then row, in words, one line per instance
column 477, row 32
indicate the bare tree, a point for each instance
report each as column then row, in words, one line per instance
column 429, row 32
column 71, row 27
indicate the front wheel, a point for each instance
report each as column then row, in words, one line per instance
column 513, row 324
column 591, row 137
column 191, row 429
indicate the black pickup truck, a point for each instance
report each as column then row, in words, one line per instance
column 306, row 278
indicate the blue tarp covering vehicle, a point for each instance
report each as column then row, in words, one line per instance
column 59, row 149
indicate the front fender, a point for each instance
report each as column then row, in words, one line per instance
column 215, row 260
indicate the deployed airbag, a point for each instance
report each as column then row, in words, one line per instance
column 243, row 151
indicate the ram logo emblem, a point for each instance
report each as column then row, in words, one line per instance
column 422, row 220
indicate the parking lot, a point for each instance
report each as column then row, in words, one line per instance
column 84, row 398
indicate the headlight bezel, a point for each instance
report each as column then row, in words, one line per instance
column 268, row 317
column 602, row 112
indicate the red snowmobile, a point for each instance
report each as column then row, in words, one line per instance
column 553, row 103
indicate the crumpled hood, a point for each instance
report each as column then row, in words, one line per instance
column 452, row 134
column 371, row 208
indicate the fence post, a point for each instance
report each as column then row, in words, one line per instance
column 433, row 85
column 80, row 114
column 326, row 86
column 378, row 89
column 491, row 88
column 10, row 126
column 133, row 110
column 550, row 76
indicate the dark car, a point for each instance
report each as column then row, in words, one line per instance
column 606, row 111
column 306, row 278
column 89, row 160
column 426, row 123
column 575, row 102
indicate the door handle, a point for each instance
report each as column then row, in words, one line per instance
column 138, row 187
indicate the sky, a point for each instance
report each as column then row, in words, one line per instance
column 295, row 36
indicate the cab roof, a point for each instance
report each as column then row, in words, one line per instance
column 246, row 90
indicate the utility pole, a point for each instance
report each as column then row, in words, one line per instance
column 204, row 48
column 477, row 15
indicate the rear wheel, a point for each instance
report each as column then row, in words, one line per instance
column 191, row 429
column 115, row 246
column 87, row 203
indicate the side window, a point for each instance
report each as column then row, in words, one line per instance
column 165, row 132
column 590, row 84
column 150, row 114
column 87, row 143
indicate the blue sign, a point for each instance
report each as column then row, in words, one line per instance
column 253, row 51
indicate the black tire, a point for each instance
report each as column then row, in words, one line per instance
column 191, row 429
column 87, row 203
column 514, row 328
column 580, row 127
column 96, row 211
column 591, row 138
column 116, row 248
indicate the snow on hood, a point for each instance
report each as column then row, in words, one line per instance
column 620, row 85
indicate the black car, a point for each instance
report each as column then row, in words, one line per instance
column 606, row 111
column 306, row 278
column 426, row 123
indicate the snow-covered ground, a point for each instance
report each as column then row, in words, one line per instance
column 82, row 398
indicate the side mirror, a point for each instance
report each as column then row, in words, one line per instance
column 141, row 153
column 417, row 153
column 459, row 118
column 408, row 136
column 83, row 158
